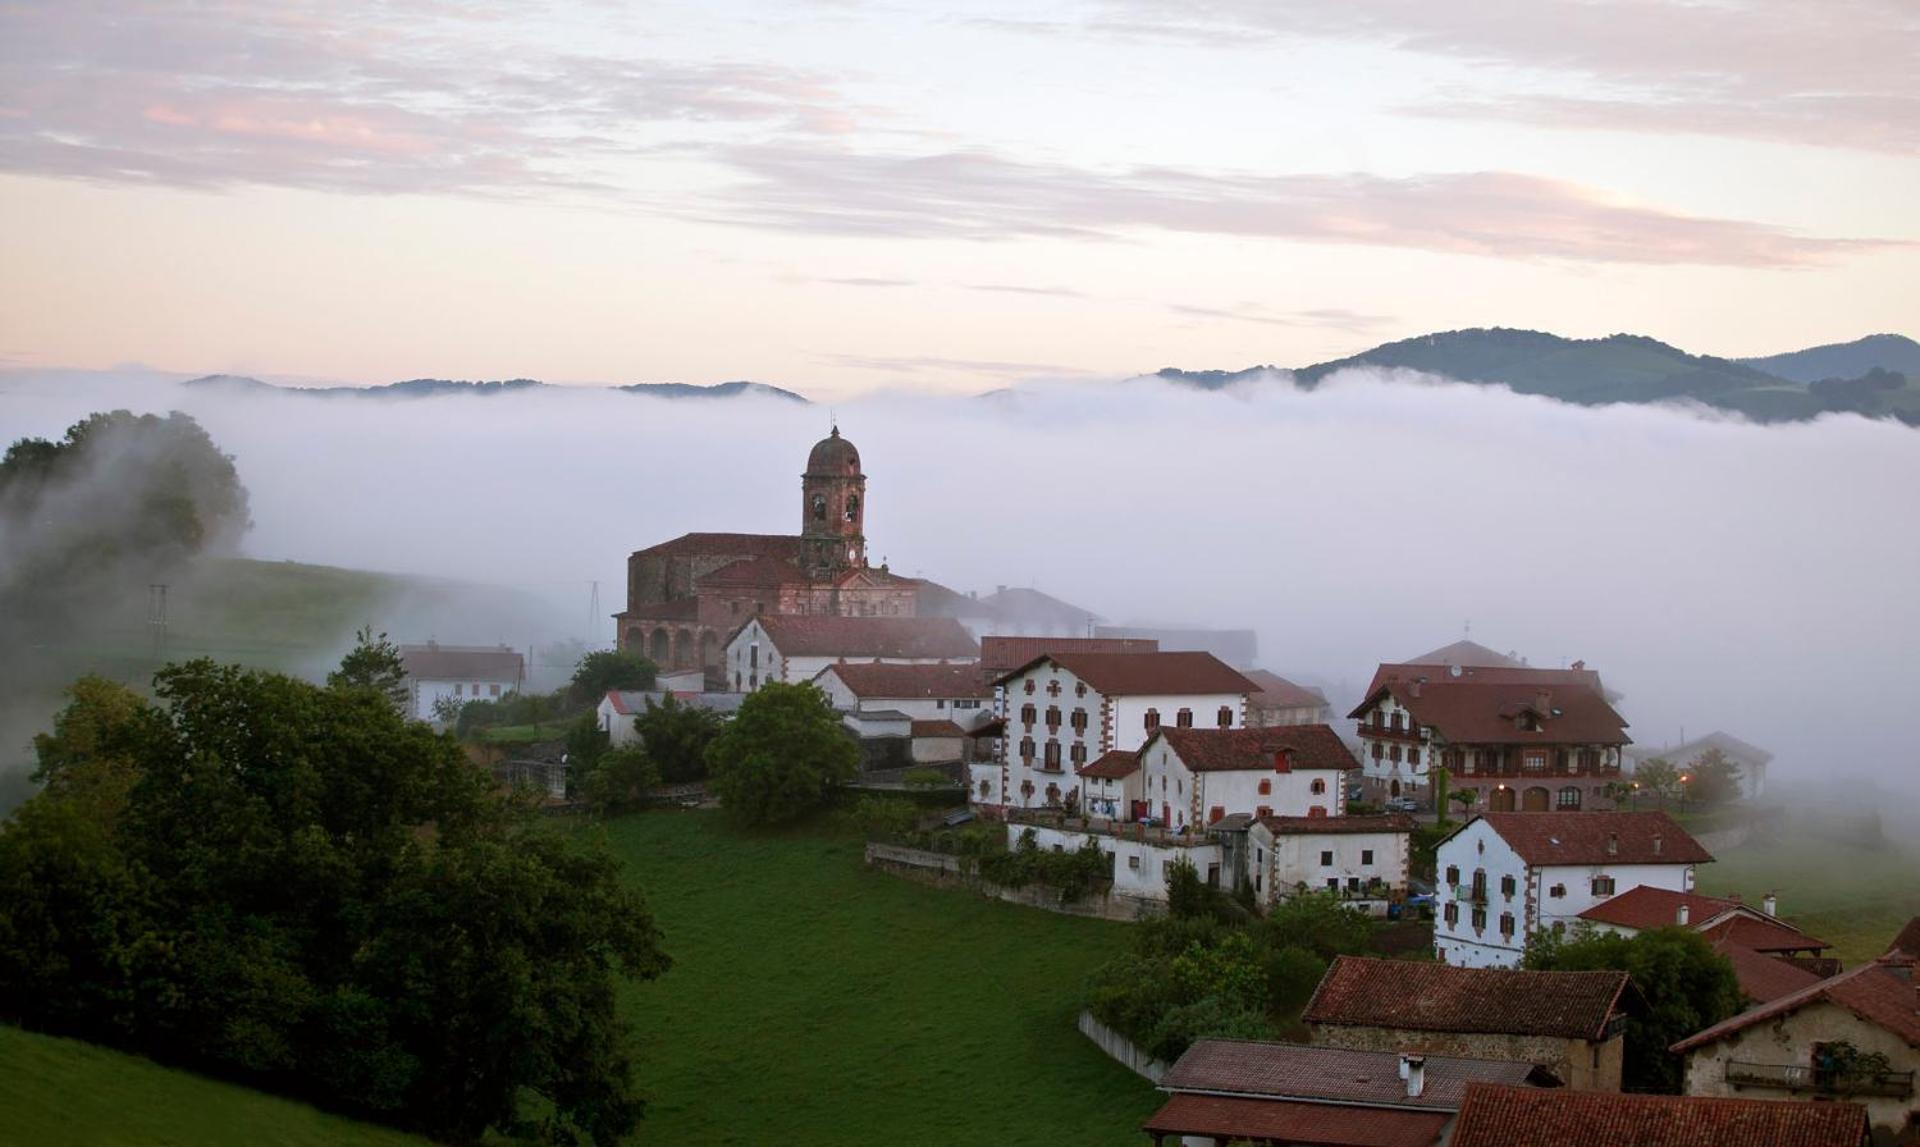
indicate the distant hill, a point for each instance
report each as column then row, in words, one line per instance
column 1618, row 368
column 429, row 387
column 1896, row 353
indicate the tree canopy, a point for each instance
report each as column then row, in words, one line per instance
column 373, row 663
column 1713, row 778
column 297, row 886
column 780, row 756
column 676, row 736
column 608, row 669
column 1687, row 986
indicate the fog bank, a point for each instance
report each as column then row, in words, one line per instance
column 1719, row 574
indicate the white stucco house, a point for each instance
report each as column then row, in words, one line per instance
column 790, row 648
column 1062, row 711
column 619, row 707
column 1198, row 776
column 1364, row 859
column 463, row 672
column 1505, row 875
column 1751, row 760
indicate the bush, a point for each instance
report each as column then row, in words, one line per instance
column 1072, row 874
column 925, row 779
column 882, row 818
column 781, row 755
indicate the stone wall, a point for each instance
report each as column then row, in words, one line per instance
column 1581, row 1065
column 938, row 868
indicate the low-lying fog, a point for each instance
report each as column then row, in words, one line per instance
column 1761, row 580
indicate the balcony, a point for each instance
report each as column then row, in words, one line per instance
column 1800, row 1077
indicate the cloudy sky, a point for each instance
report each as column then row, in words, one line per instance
column 845, row 196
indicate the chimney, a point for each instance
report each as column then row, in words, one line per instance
column 1683, row 915
column 1771, row 905
column 1579, row 665
column 1543, row 702
column 1613, row 844
column 1413, row 687
column 1414, row 1068
column 1657, row 842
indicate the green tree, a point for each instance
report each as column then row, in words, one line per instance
column 609, row 669
column 373, row 663
column 297, row 886
column 780, row 756
column 1686, row 985
column 1440, row 777
column 1716, row 778
column 1318, row 922
column 586, row 742
column 1466, row 799
column 1658, row 778
column 620, row 779
column 676, row 736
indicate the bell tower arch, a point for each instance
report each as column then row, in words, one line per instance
column 833, row 507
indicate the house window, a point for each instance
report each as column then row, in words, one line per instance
column 493, row 690
column 1053, row 718
column 1366, row 856
column 1506, row 924
column 1078, row 754
column 1184, row 718
column 1027, row 715
column 1396, row 722
column 1534, row 762
column 1026, row 751
column 1215, row 813
column 1603, row 886
column 1152, row 719
column 1326, row 858
column 1226, row 717
column 1453, row 875
column 1569, row 797
column 1133, row 862
column 1479, row 919
column 1413, row 754
column 1379, row 750
column 1029, row 686
column 1053, row 688
column 940, row 704
column 1053, row 798
column 1480, row 884
column 459, row 689
column 1393, row 754
column 1452, row 913
column 1317, row 787
column 1263, row 812
column 1557, row 891
column 1266, row 786
column 1053, row 755
column 985, row 787
column 1506, row 887
column 1333, row 884
column 1079, row 721
column 1079, row 688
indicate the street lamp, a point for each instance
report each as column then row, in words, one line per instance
column 1684, row 778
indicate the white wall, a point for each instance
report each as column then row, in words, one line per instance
column 1286, row 862
column 1193, row 796
column 426, row 692
column 1109, row 797
column 1386, row 770
column 1012, row 698
column 1139, row 867
column 1129, row 714
column 962, row 711
column 616, row 725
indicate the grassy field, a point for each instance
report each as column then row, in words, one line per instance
column 63, row 1093
column 814, row 1001
column 1846, row 887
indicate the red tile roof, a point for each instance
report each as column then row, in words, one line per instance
column 1477, row 713
column 680, row 609
column 1004, row 653
column 1276, row 692
column 1300, row 1071
column 1360, row 991
column 1584, row 838
column 1317, row 825
column 1439, row 673
column 763, row 572
column 1266, row 748
column 436, row 662
column 1111, row 765
column 1499, row 1116
column 1306, row 1124
column 937, row 729
column 1644, row 906
column 1908, row 940
column 1146, row 674
column 1764, row 978
column 1877, row 993
column 725, row 545
column 916, row 637
column 1765, row 935
column 912, row 682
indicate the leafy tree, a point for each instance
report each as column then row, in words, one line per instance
column 780, row 756
column 676, row 736
column 609, row 669
column 373, row 663
column 620, row 779
column 447, row 709
column 586, row 742
column 1466, row 799
column 1716, row 778
column 1657, row 776
column 1687, row 986
column 298, row 886
column 1318, row 922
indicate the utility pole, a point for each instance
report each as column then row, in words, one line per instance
column 157, row 619
column 593, row 609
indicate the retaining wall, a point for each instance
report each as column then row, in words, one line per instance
column 1120, row 1048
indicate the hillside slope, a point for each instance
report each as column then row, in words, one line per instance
column 1896, row 353
column 431, row 387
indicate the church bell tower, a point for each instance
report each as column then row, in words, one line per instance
column 834, row 504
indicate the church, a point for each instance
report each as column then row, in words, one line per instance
column 684, row 597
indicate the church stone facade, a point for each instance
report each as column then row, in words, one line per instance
column 684, row 597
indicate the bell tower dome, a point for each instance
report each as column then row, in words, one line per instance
column 833, row 496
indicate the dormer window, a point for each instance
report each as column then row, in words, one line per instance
column 1613, row 844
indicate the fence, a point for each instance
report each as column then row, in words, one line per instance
column 1121, row 1049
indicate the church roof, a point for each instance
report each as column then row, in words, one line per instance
column 756, row 572
column 921, row 638
column 833, row 457
column 728, row 545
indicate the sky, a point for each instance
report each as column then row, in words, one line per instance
column 843, row 197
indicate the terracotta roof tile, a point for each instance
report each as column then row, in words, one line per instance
column 724, row 545
column 917, row 637
column 1306, row 1124
column 1301, row 1071
column 1146, row 674
column 436, row 662
column 915, row 682
column 1481, row 713
column 1765, row 935
column 1764, row 978
column 1276, row 692
column 1267, row 748
column 1877, row 993
column 1364, row 992
column 764, row 571
column 1596, row 838
column 1908, row 940
column 937, row 729
column 1319, row 825
column 1005, row 653
column 1644, row 906
column 1500, row 1116
column 1440, row 673
column 1113, row 764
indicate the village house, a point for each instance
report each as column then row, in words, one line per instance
column 1852, row 1037
column 1111, row 785
column 1771, row 957
column 1572, row 1024
column 463, row 672
column 1363, row 859
column 1751, row 760
column 1234, row 1091
column 943, row 706
column 1063, row 710
column 1500, row 1115
column 1001, row 654
column 685, row 595
column 782, row 647
column 1196, row 776
column 616, row 711
column 1504, row 876
column 1281, row 702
